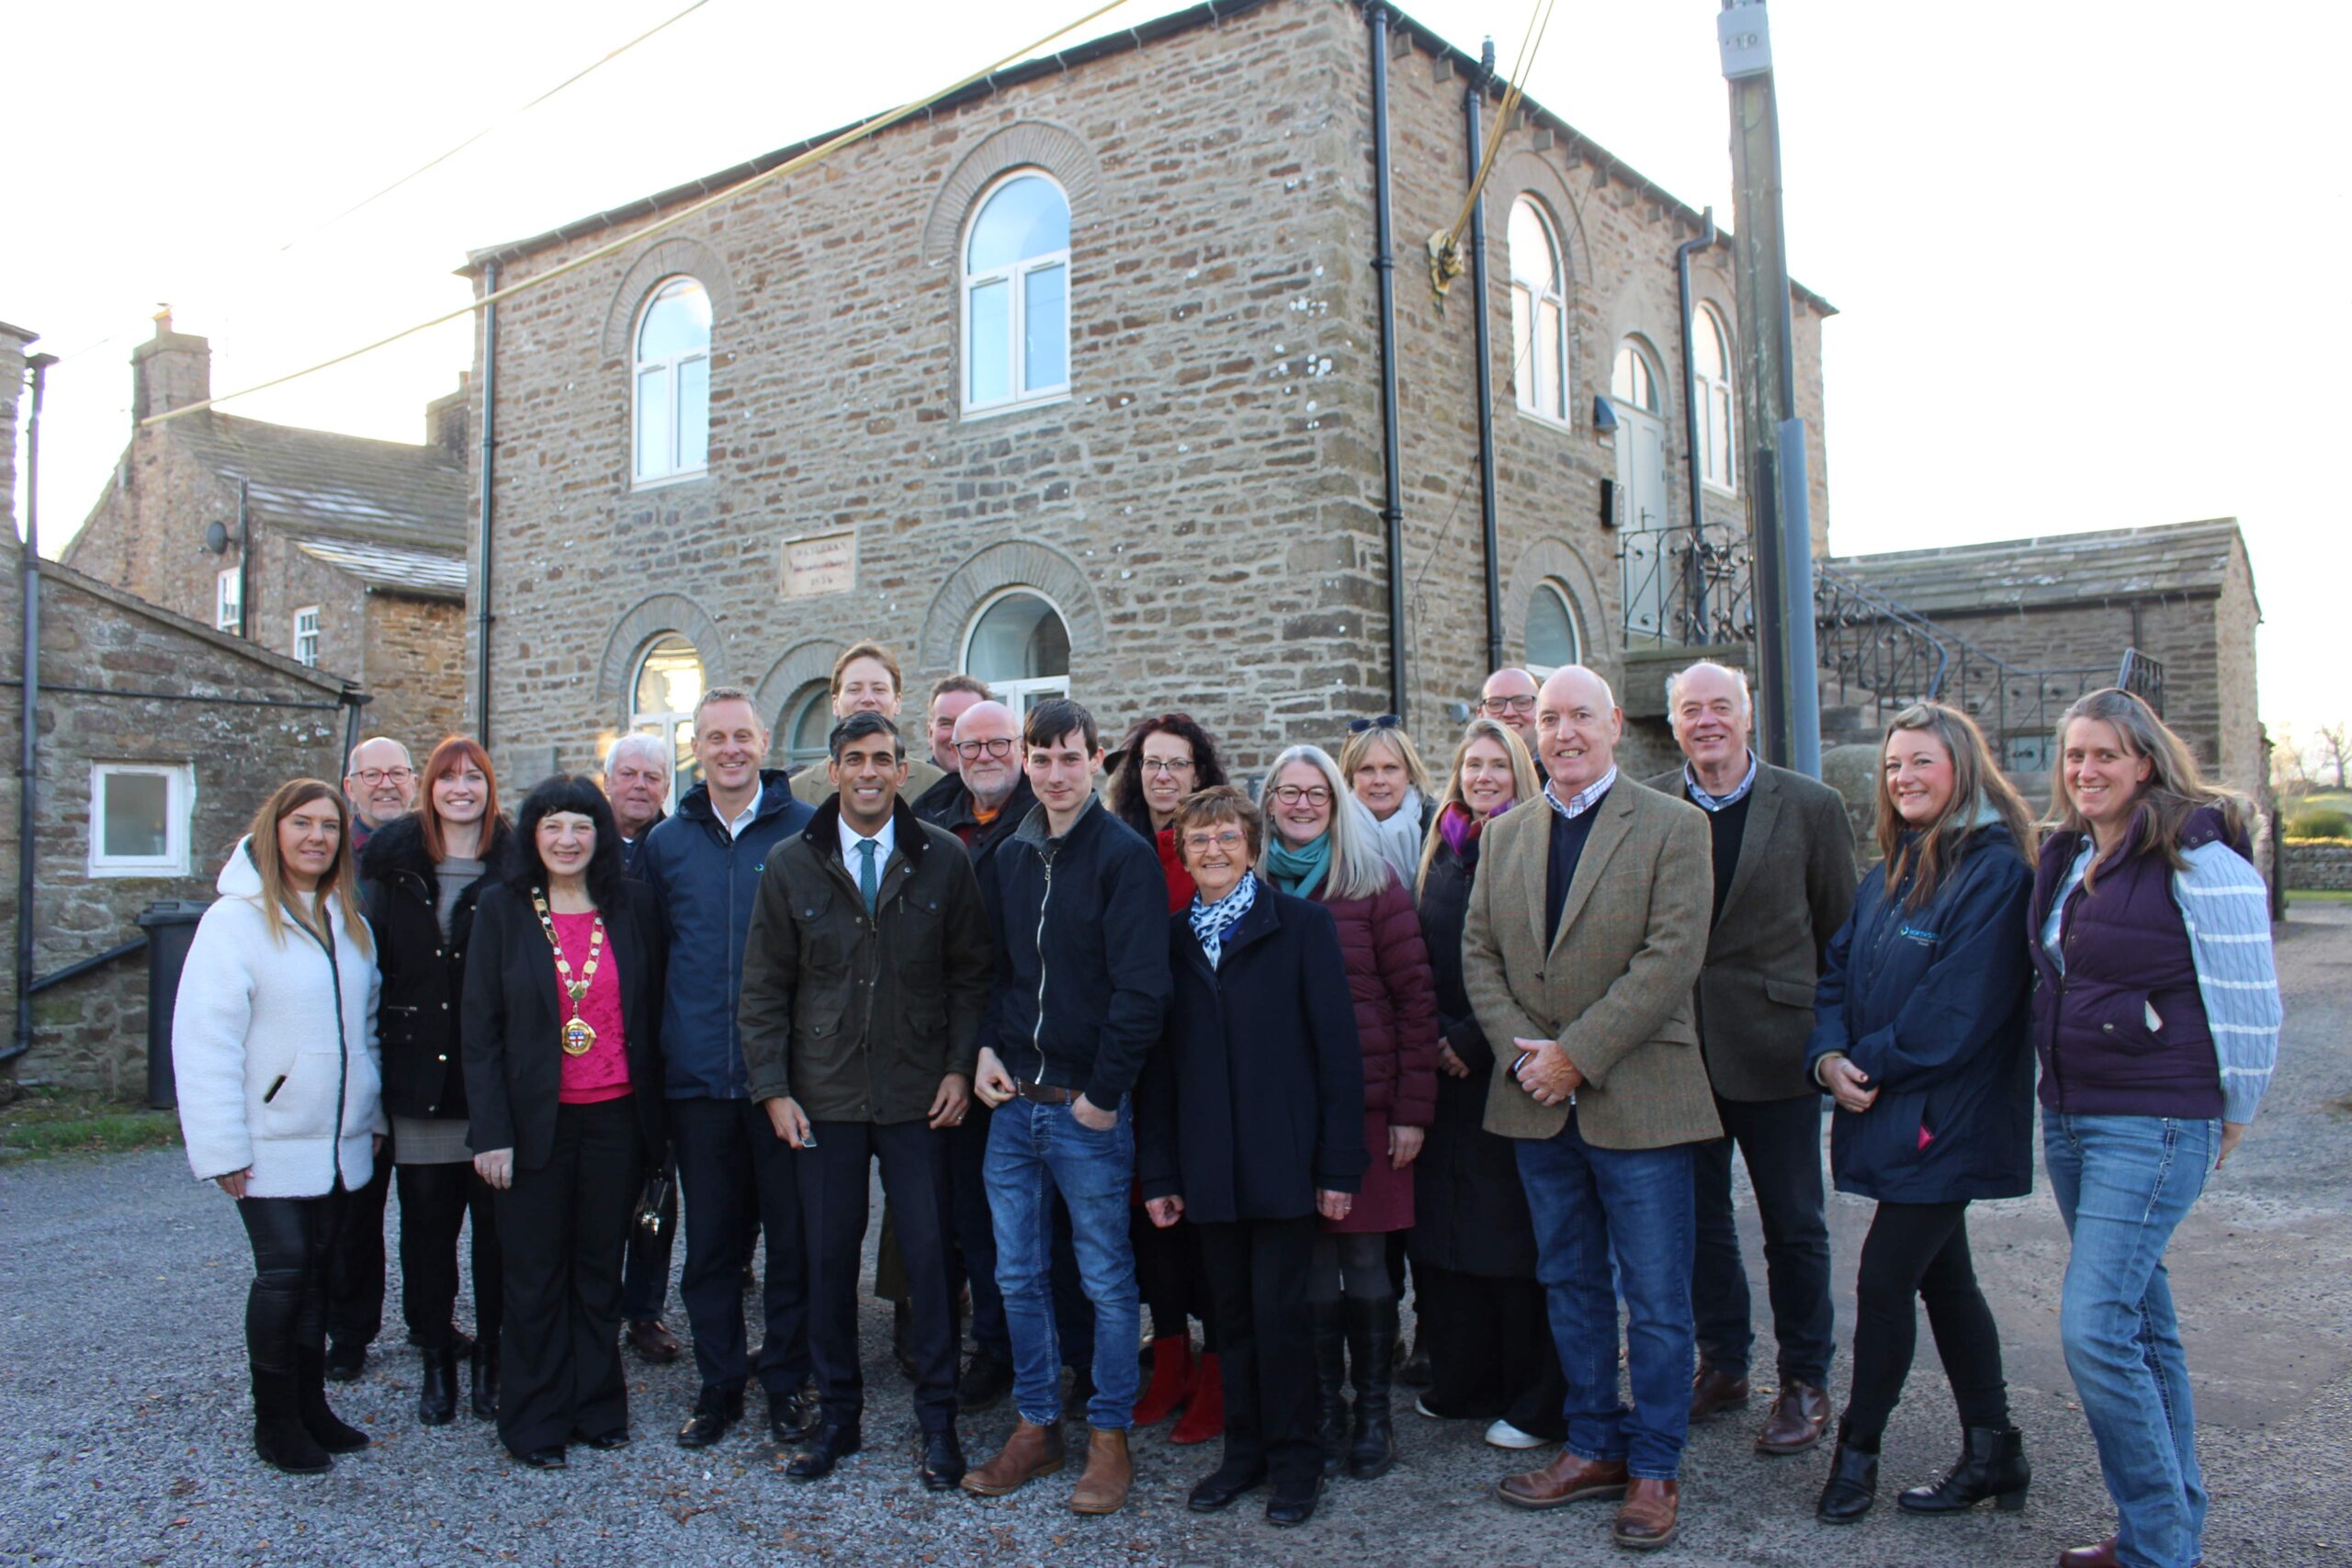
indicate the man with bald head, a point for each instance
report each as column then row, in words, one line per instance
column 1584, row 937
column 1784, row 877
column 380, row 780
column 1509, row 698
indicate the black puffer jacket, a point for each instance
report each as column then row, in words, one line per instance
column 425, row 977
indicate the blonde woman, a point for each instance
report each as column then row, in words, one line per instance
column 1385, row 773
column 274, row 1049
column 1321, row 847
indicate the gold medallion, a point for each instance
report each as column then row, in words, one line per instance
column 578, row 1037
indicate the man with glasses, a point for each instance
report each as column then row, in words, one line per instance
column 380, row 780
column 1509, row 698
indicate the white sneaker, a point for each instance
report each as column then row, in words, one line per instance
column 1503, row 1434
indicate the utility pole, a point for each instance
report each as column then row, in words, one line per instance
column 1779, row 512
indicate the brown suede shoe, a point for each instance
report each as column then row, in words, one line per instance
column 1565, row 1480
column 1800, row 1414
column 2102, row 1555
column 1712, row 1393
column 1648, row 1519
column 1030, row 1452
column 1109, row 1473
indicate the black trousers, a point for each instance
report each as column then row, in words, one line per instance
column 355, row 1259
column 645, row 1277
column 1257, row 1272
column 286, row 1306
column 565, row 1224
column 1492, row 1352
column 1920, row 1250
column 1781, row 1141
column 834, row 1185
column 435, row 1202
column 734, row 1171
column 1172, row 1276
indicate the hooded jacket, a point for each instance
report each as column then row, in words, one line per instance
column 274, row 1047
column 707, row 884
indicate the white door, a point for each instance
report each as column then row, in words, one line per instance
column 1640, row 467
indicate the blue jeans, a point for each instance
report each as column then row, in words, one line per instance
column 2123, row 1183
column 1036, row 1151
column 1635, row 1205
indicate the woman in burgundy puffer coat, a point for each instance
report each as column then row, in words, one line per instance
column 1322, row 848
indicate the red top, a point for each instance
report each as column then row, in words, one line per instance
column 602, row 1073
column 1172, row 866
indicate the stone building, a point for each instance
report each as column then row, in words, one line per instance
column 1075, row 380
column 158, row 738
column 339, row 552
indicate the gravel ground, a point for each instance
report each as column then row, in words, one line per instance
column 126, row 1436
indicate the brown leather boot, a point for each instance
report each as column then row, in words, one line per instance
column 1109, row 1473
column 1648, row 1519
column 1032, row 1451
column 1566, row 1479
column 2101, row 1555
column 1800, row 1414
column 1712, row 1393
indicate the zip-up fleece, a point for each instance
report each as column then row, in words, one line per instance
column 707, row 884
column 1081, row 953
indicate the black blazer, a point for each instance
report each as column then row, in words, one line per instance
column 1253, row 1099
column 514, row 1021
column 419, row 1012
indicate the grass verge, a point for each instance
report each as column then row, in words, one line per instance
column 2318, row 896
column 42, row 1122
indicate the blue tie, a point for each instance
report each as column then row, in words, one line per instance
column 867, row 883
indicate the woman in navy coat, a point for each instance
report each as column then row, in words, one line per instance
column 1250, row 1121
column 1920, row 1036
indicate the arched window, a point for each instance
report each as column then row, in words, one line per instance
column 1634, row 388
column 1020, row 646
column 1634, row 381
column 672, row 386
column 1710, row 395
column 1551, row 640
column 1016, row 295
column 807, row 721
column 669, row 683
column 1539, row 315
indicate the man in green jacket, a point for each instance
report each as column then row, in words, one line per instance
column 865, row 977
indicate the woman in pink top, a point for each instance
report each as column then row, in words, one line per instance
column 563, row 1079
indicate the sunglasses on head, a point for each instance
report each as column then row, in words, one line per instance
column 1385, row 721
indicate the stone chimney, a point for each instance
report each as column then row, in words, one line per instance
column 169, row 370
column 449, row 418
column 12, row 393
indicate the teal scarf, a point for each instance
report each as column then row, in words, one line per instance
column 1297, row 872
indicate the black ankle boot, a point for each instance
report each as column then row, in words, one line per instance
column 1372, row 1347
column 484, row 1364
column 325, row 1427
column 1853, row 1483
column 1331, row 1385
column 1991, row 1464
column 279, row 1436
column 437, row 1396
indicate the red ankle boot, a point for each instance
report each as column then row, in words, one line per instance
column 1172, row 1374
column 1205, row 1406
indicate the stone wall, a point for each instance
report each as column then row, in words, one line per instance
column 2317, row 865
column 414, row 667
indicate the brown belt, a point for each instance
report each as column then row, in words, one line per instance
column 1045, row 1093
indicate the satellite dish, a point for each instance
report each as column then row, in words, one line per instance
column 216, row 537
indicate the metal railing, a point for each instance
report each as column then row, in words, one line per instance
column 1686, row 586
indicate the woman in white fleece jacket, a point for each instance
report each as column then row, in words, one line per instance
column 274, row 1048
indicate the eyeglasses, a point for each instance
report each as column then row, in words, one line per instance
column 1164, row 764
column 1228, row 841
column 1506, row 704
column 1385, row 721
column 1313, row 794
column 372, row 777
column 997, row 746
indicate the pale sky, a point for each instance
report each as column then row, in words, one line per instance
column 2076, row 248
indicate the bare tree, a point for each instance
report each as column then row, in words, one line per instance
column 2288, row 777
column 2332, row 751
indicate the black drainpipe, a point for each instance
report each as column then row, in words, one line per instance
column 1695, row 585
column 1472, row 101
column 244, row 559
column 28, row 740
column 1384, row 266
column 488, row 457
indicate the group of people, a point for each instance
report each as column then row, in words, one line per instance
column 1250, row 1063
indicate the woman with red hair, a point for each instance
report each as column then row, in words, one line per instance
column 422, row 874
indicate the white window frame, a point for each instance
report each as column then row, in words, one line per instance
column 178, row 813
column 228, row 600
column 1576, row 627
column 306, row 635
column 1639, row 347
column 663, row 725
column 817, row 694
column 1015, row 278
column 669, row 367
column 1526, row 390
column 1718, row 469
column 1025, row 692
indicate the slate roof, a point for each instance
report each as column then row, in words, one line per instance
column 433, row 574
column 2170, row 560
